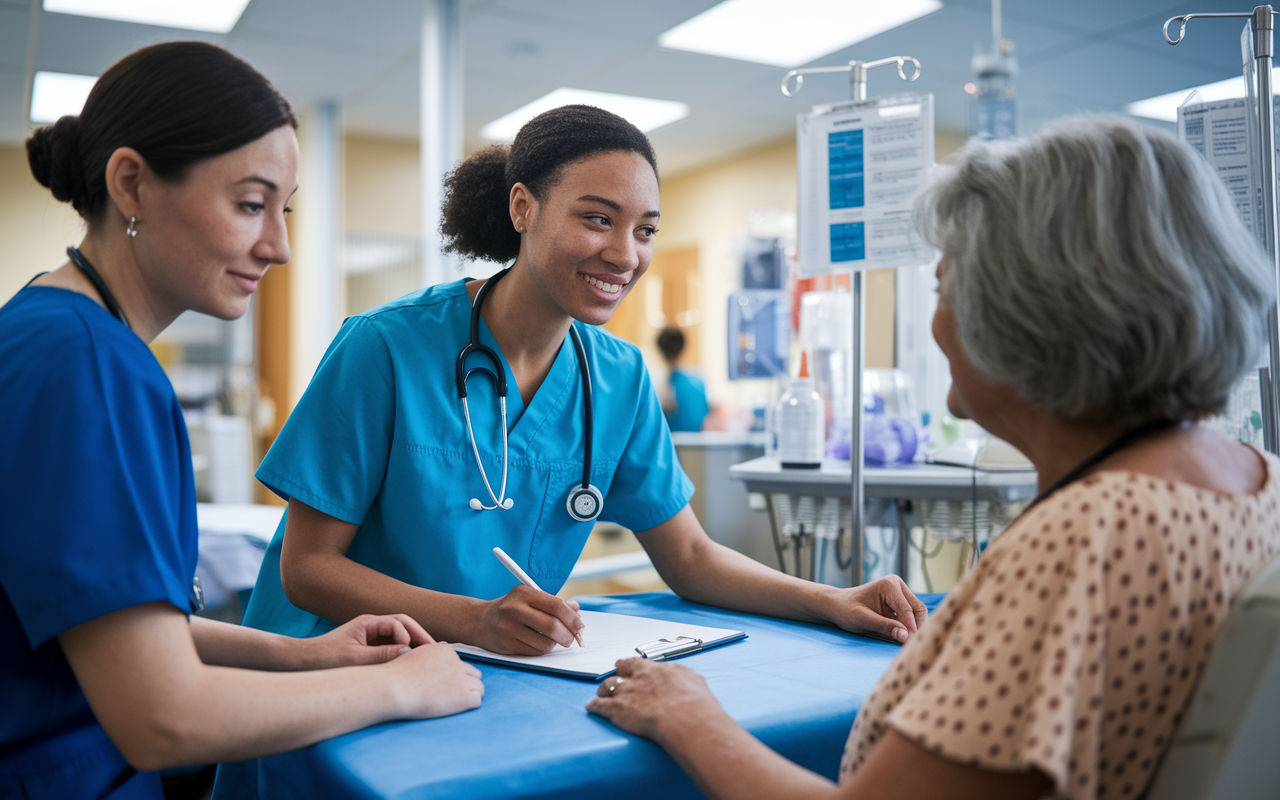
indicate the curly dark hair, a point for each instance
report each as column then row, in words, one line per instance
column 176, row 103
column 476, row 220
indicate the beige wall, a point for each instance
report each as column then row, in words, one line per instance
column 382, row 187
column 707, row 208
column 35, row 229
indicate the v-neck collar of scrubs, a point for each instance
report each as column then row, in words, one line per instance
column 553, row 396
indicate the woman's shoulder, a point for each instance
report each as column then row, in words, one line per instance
column 1114, row 495
column 440, row 295
column 1089, row 528
column 53, row 332
column 409, row 318
column 609, row 346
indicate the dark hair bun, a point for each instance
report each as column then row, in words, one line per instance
column 175, row 103
column 476, row 213
column 54, row 155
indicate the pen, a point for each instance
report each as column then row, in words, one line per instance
column 515, row 570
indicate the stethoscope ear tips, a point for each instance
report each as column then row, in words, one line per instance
column 478, row 506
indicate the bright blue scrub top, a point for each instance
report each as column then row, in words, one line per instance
column 691, row 401
column 99, row 515
column 378, row 440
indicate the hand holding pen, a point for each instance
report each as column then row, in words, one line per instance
column 527, row 620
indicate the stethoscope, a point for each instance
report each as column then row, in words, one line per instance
column 196, row 597
column 585, row 501
column 108, row 298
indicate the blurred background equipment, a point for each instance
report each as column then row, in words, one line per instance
column 993, row 108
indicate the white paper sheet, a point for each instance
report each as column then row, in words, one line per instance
column 606, row 638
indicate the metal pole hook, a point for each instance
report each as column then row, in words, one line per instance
column 1184, row 18
column 901, row 62
column 799, row 74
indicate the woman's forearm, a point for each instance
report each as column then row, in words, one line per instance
column 238, row 714
column 140, row 670
column 317, row 576
column 727, row 762
column 338, row 589
column 703, row 571
column 225, row 645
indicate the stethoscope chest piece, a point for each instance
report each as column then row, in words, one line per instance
column 585, row 503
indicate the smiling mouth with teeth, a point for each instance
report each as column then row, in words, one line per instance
column 611, row 288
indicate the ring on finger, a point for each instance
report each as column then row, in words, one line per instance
column 617, row 682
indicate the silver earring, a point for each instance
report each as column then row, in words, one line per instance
column 132, row 230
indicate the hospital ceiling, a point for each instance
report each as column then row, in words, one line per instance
column 1075, row 55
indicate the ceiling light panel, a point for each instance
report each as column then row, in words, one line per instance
column 213, row 16
column 644, row 112
column 1165, row 107
column 788, row 34
column 54, row 95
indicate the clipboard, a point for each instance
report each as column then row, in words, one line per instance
column 609, row 637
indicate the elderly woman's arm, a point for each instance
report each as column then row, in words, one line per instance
column 707, row 572
column 672, row 705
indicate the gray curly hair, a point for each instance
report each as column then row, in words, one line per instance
column 1101, row 268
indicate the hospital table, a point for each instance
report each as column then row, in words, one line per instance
column 795, row 686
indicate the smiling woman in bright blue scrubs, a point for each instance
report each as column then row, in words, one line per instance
column 379, row 468
column 181, row 164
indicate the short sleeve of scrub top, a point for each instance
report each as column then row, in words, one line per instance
column 332, row 453
column 101, row 516
column 378, row 440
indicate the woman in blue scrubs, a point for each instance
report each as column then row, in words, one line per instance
column 181, row 164
column 392, row 502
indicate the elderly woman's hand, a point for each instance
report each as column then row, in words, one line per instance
column 884, row 607
column 644, row 697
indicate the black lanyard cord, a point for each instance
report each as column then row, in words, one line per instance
column 1121, row 442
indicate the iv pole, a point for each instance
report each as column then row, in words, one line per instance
column 1262, row 21
column 857, row 91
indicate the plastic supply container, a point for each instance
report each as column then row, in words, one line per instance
column 826, row 339
column 800, row 418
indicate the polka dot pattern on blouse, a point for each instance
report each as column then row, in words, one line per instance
column 1075, row 643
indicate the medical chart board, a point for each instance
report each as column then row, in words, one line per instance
column 1225, row 132
column 1219, row 131
column 606, row 638
column 861, row 163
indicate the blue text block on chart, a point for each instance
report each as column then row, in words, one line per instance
column 845, row 169
column 848, row 242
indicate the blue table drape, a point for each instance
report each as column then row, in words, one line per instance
column 797, row 687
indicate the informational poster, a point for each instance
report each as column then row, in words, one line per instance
column 860, row 166
column 1227, row 133
column 1219, row 130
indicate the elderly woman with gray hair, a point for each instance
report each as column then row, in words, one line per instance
column 1098, row 299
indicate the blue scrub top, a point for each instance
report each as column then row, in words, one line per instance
column 691, row 401
column 100, row 515
column 378, row 440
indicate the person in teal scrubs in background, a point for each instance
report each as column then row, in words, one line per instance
column 389, row 508
column 684, row 400
column 181, row 164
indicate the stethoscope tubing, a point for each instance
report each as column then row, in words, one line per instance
column 586, row 493
column 500, row 501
